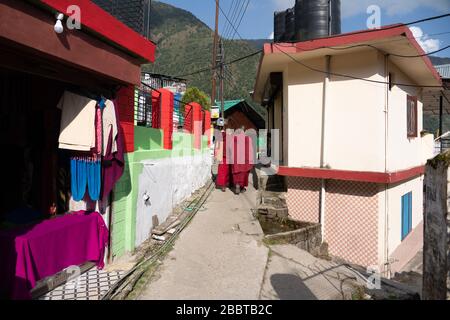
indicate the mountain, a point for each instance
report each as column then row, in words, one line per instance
column 438, row 60
column 184, row 45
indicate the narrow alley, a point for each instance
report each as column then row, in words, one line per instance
column 221, row 255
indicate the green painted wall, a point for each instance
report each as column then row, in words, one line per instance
column 148, row 145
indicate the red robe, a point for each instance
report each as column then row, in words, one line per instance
column 243, row 163
column 224, row 170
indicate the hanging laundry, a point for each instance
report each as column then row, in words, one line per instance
column 113, row 162
column 98, row 131
column 109, row 126
column 85, row 174
column 77, row 122
column 94, row 179
column 78, row 168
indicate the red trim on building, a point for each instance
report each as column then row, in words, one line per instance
column 166, row 117
column 198, row 124
column 125, row 105
column 101, row 22
column 207, row 125
column 33, row 35
column 361, row 176
column 352, row 38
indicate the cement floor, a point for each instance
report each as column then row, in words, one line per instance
column 220, row 255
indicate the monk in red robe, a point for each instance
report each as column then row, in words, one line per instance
column 242, row 151
column 224, row 169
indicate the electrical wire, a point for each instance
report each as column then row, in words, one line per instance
column 217, row 67
column 157, row 90
column 314, row 69
column 370, row 46
column 225, row 25
column 393, row 26
column 242, row 17
column 353, row 77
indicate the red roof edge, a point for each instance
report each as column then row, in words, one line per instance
column 107, row 26
column 353, row 38
column 360, row 176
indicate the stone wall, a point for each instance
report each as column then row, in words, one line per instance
column 436, row 261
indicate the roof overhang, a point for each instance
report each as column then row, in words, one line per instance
column 396, row 39
column 107, row 27
column 27, row 31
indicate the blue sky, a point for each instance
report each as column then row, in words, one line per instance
column 258, row 20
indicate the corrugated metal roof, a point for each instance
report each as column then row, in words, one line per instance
column 228, row 104
column 444, row 70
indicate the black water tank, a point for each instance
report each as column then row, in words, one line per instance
column 279, row 26
column 290, row 25
column 317, row 19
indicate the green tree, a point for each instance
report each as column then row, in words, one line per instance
column 194, row 94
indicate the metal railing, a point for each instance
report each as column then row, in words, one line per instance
column 441, row 145
column 143, row 107
column 133, row 13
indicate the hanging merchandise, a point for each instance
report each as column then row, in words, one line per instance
column 109, row 126
column 94, row 179
column 113, row 162
column 98, row 131
column 74, row 179
column 77, row 122
column 85, row 174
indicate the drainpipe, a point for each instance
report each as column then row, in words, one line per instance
column 323, row 142
column 386, row 167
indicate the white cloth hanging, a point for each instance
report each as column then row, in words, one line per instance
column 77, row 122
column 109, row 124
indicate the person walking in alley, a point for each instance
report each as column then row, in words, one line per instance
column 224, row 170
column 243, row 160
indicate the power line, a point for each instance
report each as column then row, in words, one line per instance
column 228, row 25
column 333, row 48
column 353, row 77
column 217, row 67
column 313, row 69
column 392, row 26
column 242, row 17
column 224, row 25
column 157, row 90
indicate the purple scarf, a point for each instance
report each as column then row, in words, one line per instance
column 113, row 163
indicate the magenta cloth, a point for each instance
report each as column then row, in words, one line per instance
column 113, row 163
column 29, row 254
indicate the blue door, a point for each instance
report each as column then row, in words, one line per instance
column 406, row 215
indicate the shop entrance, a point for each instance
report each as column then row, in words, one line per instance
column 35, row 172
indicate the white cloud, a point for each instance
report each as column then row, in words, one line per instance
column 271, row 36
column 427, row 44
column 391, row 7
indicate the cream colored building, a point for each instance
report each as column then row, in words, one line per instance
column 349, row 111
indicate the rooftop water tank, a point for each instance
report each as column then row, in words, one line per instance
column 317, row 19
column 279, row 26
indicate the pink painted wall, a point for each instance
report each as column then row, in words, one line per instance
column 303, row 199
column 351, row 221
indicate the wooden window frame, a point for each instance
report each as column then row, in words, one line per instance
column 412, row 132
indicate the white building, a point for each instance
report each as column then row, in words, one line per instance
column 349, row 111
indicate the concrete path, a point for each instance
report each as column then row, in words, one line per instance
column 220, row 255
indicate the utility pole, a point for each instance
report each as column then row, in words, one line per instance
column 214, row 57
column 441, row 115
column 222, row 78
